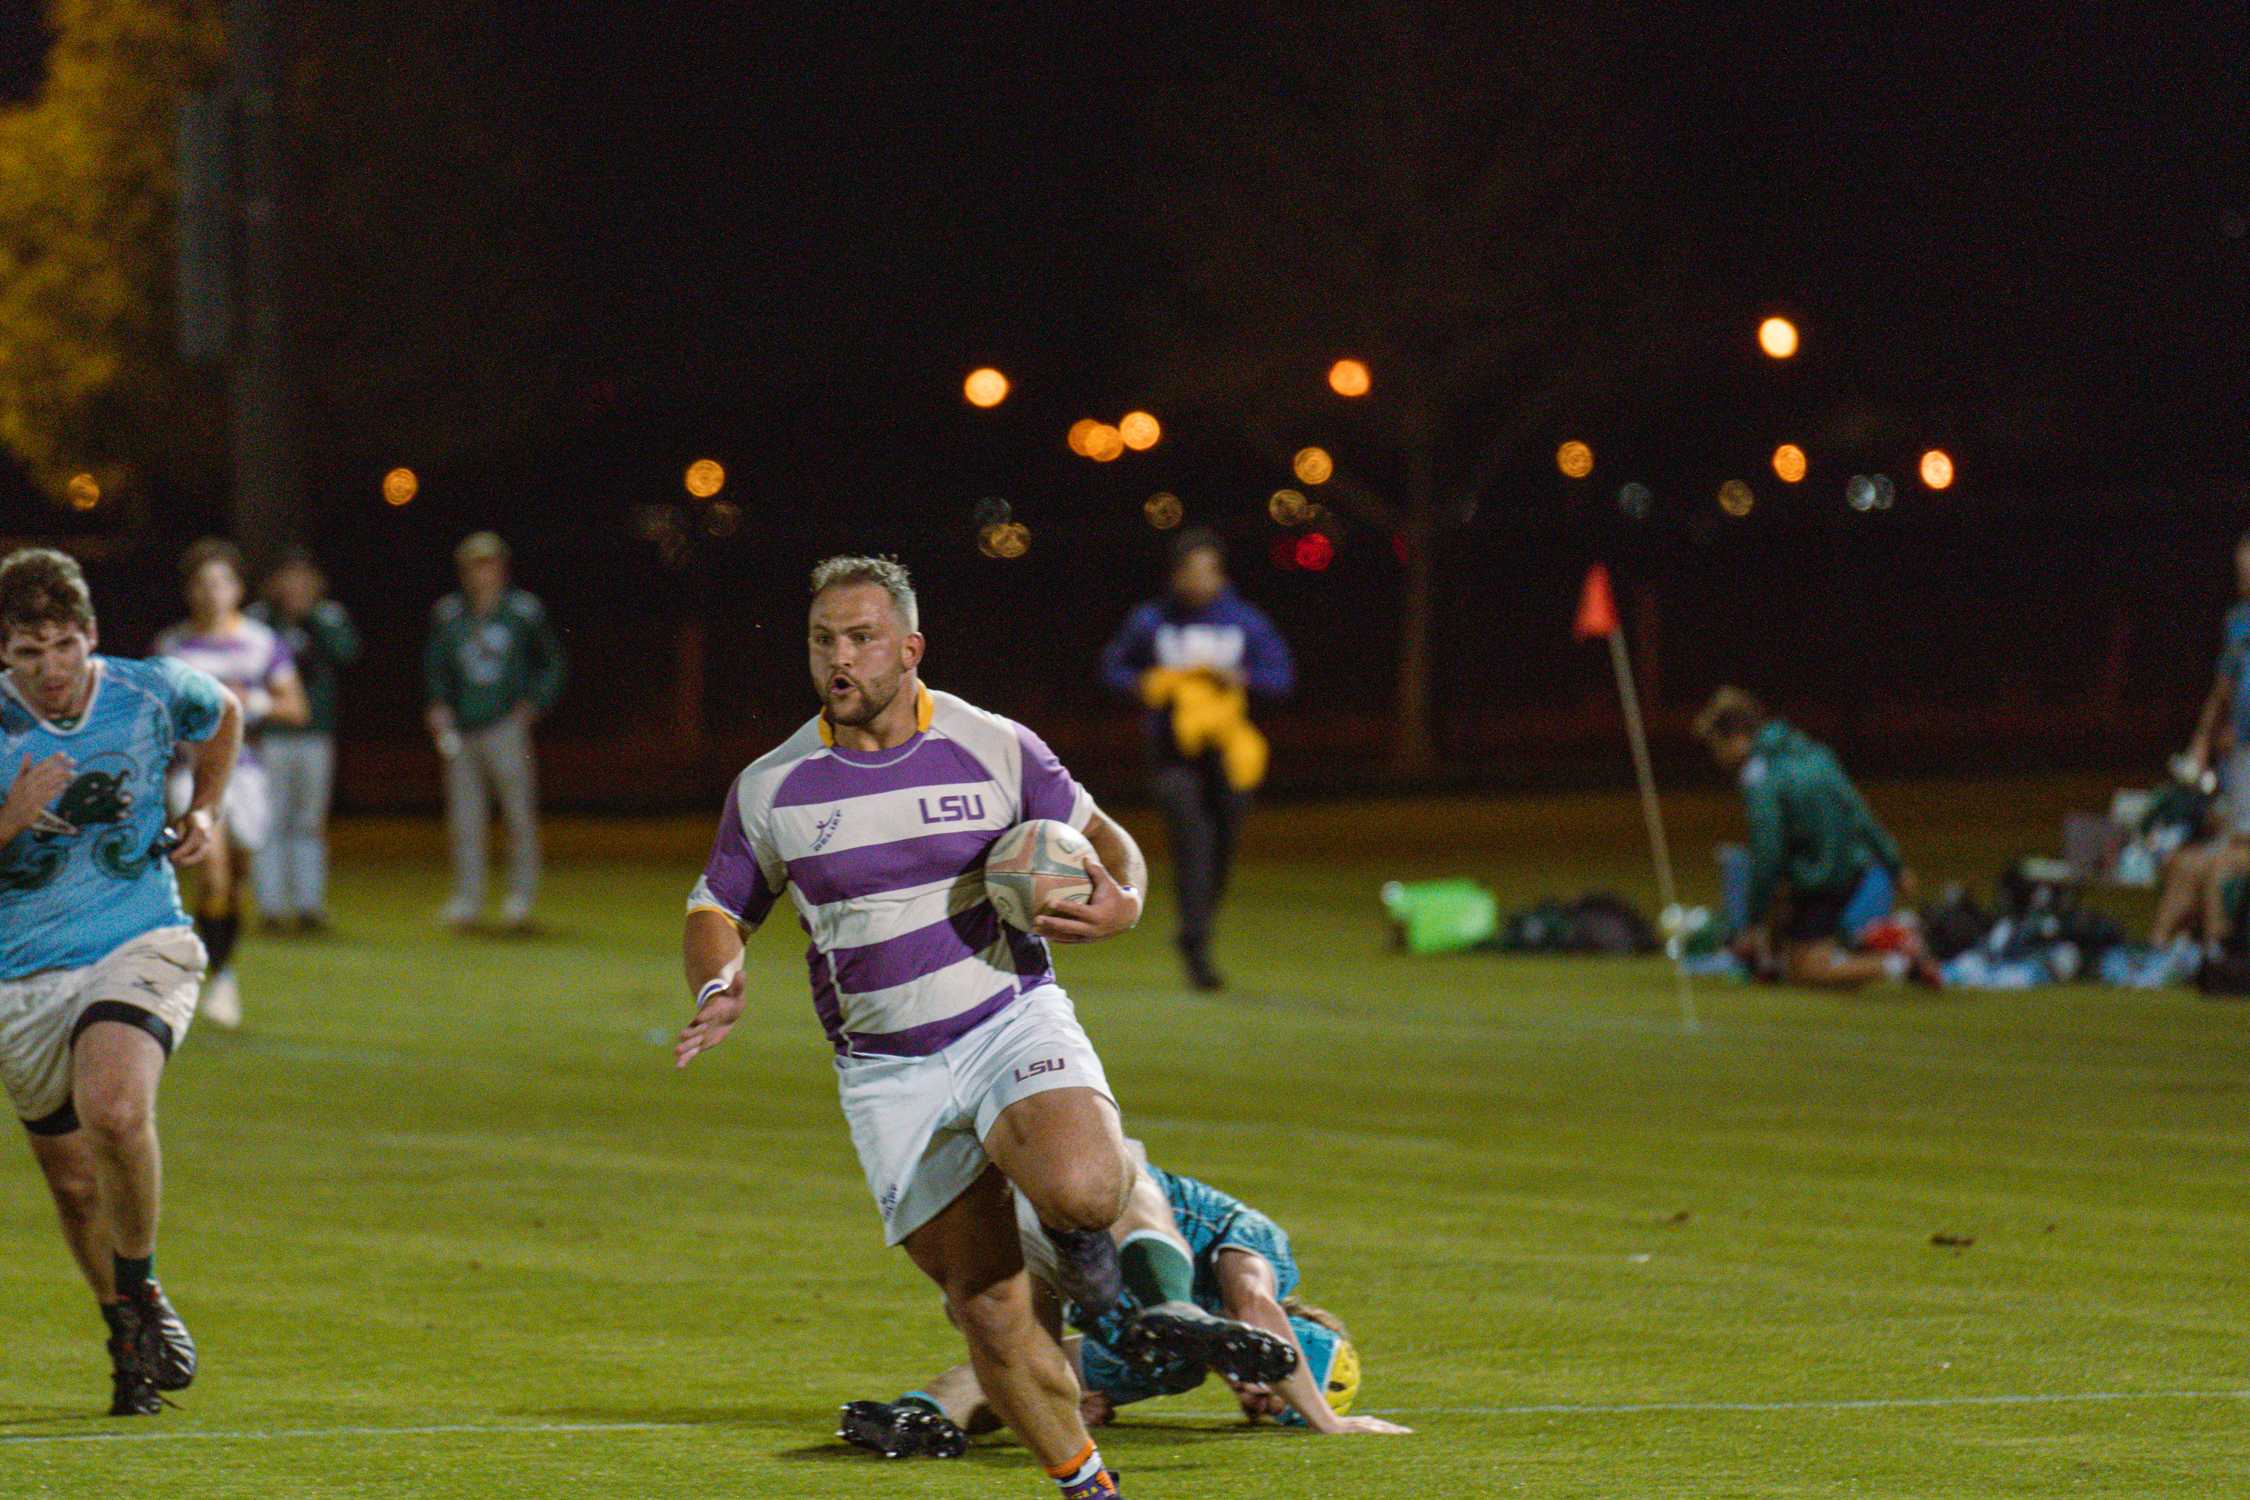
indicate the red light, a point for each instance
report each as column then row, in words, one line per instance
column 1284, row 553
column 1398, row 546
column 1315, row 552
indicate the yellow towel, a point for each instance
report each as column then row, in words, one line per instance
column 1210, row 713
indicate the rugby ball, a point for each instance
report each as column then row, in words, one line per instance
column 1034, row 863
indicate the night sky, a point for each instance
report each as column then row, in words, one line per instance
column 782, row 235
column 2028, row 228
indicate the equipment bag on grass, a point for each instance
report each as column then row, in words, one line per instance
column 1440, row 916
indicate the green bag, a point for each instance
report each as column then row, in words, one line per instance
column 1441, row 916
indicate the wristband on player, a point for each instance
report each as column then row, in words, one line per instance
column 710, row 987
column 1136, row 895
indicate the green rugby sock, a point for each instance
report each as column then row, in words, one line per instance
column 1156, row 1269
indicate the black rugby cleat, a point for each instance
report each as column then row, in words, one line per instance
column 904, row 1429
column 1175, row 1333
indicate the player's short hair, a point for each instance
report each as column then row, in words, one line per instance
column 886, row 573
column 1320, row 1315
column 208, row 550
column 40, row 586
column 1196, row 539
column 1730, row 712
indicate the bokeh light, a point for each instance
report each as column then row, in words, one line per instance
column 1314, row 552
column 985, row 387
column 400, row 486
column 1859, row 494
column 991, row 511
column 722, row 518
column 1778, row 337
column 1289, row 508
column 1636, row 500
column 1789, row 463
column 705, row 478
column 1937, row 468
column 1349, row 377
column 1885, row 491
column 1575, row 459
column 1163, row 510
column 1139, row 431
column 1312, row 466
column 1005, row 541
column 1735, row 498
column 1082, row 436
column 84, row 491
column 1105, row 443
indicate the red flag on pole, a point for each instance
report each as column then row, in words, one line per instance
column 1597, row 607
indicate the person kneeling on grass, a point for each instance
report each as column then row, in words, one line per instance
column 1192, row 1253
column 1811, row 830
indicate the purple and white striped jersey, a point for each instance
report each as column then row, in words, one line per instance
column 883, row 853
column 246, row 659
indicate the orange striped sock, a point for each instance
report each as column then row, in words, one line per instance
column 1077, row 1471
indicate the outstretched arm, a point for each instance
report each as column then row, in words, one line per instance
column 712, row 949
column 1246, row 1285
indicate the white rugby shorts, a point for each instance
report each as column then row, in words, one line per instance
column 919, row 1123
column 156, row 976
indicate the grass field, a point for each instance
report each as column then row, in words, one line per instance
column 447, row 1223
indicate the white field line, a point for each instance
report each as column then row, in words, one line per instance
column 1557, row 1409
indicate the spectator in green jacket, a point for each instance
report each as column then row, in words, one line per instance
column 300, row 759
column 493, row 667
column 1812, row 833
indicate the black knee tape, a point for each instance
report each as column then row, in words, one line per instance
column 62, row 1122
column 124, row 1015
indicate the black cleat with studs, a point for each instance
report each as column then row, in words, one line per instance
column 1177, row 1333
column 900, row 1430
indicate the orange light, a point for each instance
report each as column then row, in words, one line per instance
column 1105, row 443
column 84, row 491
column 1789, row 463
column 1163, row 510
column 1349, row 377
column 1082, row 435
column 1312, row 465
column 1735, row 498
column 1575, row 459
column 1004, row 540
column 985, row 387
column 1937, row 468
column 1139, row 431
column 1778, row 337
column 400, row 486
column 705, row 478
column 1289, row 508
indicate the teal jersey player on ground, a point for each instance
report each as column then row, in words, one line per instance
column 1227, row 1258
column 90, row 876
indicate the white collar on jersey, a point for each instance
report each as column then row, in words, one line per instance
column 93, row 696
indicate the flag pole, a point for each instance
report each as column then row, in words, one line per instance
column 1597, row 615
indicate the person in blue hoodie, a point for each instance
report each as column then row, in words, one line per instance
column 1195, row 660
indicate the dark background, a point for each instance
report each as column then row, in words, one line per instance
column 780, row 236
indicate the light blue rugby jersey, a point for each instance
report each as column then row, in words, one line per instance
column 84, row 881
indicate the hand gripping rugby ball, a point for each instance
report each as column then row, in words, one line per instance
column 1034, row 863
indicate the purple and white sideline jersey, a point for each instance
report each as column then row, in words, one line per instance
column 883, row 853
column 247, row 660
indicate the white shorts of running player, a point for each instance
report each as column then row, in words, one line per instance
column 919, row 1123
column 249, row 812
column 159, row 972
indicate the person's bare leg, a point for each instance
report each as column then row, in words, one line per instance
column 68, row 1164
column 2229, row 859
column 2179, row 902
column 1825, row 965
column 115, row 1069
column 971, row 1251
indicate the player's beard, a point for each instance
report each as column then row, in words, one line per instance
column 875, row 698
